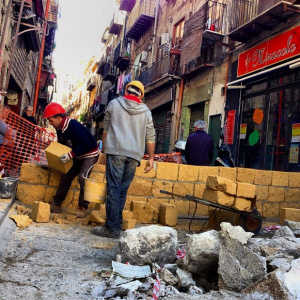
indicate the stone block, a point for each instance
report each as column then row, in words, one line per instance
column 263, row 177
column 289, row 214
column 127, row 214
column 40, row 212
column 294, row 180
column 218, row 197
column 99, row 177
column 130, row 198
column 188, row 173
column 183, row 207
column 292, row 195
column 168, row 214
column 55, row 179
column 199, row 189
column 245, row 175
column 33, row 173
column 49, row 193
column 128, row 224
column 201, row 210
column 183, row 188
column 221, row 184
column 229, row 173
column 140, row 187
column 167, row 171
column 22, row 221
column 242, row 204
column 204, row 172
column 28, row 193
column 276, row 194
column 156, row 202
column 97, row 216
column 99, row 168
column 158, row 185
column 280, row 178
column 245, row 190
column 53, row 152
column 262, row 193
column 140, row 171
column 144, row 213
column 270, row 210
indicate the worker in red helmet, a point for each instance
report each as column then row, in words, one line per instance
column 85, row 154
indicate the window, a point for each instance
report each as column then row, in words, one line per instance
column 178, row 34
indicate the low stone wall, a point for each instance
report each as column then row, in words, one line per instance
column 274, row 190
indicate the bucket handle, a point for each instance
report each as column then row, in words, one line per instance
column 85, row 177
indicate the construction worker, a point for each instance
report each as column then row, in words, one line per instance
column 85, row 153
column 127, row 129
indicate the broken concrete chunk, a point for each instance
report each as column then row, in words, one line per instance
column 147, row 245
column 168, row 277
column 185, row 278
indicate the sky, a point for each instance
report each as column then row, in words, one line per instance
column 80, row 28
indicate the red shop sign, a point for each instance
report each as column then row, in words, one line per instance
column 277, row 49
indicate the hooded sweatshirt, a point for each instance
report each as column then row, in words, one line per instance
column 129, row 126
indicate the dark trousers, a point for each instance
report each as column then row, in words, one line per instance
column 82, row 168
column 120, row 172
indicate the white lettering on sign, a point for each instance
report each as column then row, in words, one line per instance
column 260, row 57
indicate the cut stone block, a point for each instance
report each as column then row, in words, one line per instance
column 40, row 212
column 218, row 197
column 221, row 184
column 168, row 214
column 144, row 213
column 53, row 152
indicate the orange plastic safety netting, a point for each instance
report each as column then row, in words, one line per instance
column 20, row 142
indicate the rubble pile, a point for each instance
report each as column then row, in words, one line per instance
column 226, row 264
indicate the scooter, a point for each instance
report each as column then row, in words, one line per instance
column 180, row 147
column 224, row 158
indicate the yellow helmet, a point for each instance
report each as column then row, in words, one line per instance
column 138, row 85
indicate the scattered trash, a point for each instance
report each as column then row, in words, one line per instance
column 272, row 228
column 129, row 271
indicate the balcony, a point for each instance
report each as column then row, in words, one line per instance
column 121, row 57
column 109, row 73
column 91, row 83
column 257, row 16
column 161, row 70
column 116, row 23
column 127, row 5
column 201, row 32
column 101, row 64
column 140, row 19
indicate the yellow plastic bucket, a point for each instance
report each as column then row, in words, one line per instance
column 94, row 191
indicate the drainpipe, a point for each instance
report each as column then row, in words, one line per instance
column 179, row 108
column 3, row 38
column 155, row 31
column 37, row 86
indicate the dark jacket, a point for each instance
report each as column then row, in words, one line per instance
column 199, row 148
column 74, row 135
column 30, row 119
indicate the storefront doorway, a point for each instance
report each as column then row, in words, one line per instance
column 270, row 123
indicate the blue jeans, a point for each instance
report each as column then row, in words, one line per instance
column 83, row 169
column 120, row 172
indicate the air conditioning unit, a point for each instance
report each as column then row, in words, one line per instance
column 164, row 39
column 144, row 56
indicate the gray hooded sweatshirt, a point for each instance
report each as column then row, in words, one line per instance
column 129, row 126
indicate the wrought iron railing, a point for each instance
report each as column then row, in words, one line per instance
column 160, row 68
column 120, row 51
column 215, row 16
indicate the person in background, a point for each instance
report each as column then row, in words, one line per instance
column 85, row 154
column 28, row 114
column 199, row 146
column 127, row 129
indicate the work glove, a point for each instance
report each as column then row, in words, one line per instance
column 66, row 157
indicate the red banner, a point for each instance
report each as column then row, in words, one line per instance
column 277, row 49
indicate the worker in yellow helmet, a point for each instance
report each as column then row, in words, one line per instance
column 127, row 131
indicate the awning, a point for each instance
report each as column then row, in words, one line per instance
column 157, row 99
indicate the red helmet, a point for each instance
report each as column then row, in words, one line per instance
column 53, row 109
